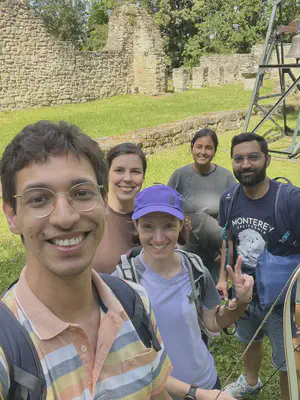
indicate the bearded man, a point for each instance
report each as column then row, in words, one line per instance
column 250, row 225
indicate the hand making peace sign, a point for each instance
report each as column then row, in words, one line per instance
column 243, row 283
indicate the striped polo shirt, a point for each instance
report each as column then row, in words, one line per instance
column 121, row 368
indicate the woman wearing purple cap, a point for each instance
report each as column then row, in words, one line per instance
column 162, row 270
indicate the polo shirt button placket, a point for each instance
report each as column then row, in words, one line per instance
column 84, row 348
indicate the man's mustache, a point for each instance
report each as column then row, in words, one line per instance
column 248, row 170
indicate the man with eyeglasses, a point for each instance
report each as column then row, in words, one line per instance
column 250, row 220
column 54, row 184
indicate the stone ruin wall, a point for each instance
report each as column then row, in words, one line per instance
column 37, row 69
column 221, row 69
column 218, row 70
column 173, row 134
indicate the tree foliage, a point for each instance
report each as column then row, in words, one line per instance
column 65, row 19
column 99, row 13
column 98, row 24
column 97, row 38
column 176, row 20
column 227, row 26
column 190, row 28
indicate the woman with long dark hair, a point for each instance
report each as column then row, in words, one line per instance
column 201, row 185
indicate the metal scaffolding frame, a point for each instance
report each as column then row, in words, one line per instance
column 273, row 41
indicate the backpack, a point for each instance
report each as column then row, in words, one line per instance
column 127, row 270
column 27, row 380
column 25, row 370
column 272, row 271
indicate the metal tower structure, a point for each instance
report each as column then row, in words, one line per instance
column 274, row 42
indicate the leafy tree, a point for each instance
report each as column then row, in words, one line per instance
column 176, row 20
column 98, row 25
column 290, row 12
column 65, row 19
column 97, row 38
column 227, row 26
column 99, row 13
column 190, row 28
column 231, row 26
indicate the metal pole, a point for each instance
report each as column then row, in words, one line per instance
column 269, row 42
column 290, row 89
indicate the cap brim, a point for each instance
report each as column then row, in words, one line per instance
column 165, row 209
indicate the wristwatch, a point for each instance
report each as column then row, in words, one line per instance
column 191, row 395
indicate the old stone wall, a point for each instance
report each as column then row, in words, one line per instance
column 219, row 70
column 176, row 133
column 181, row 79
column 37, row 69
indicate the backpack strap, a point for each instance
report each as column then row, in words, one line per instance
column 281, row 217
column 229, row 199
column 134, row 307
column 134, row 251
column 127, row 269
column 195, row 268
column 25, row 369
column 286, row 234
column 277, row 178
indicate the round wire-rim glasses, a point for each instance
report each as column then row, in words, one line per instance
column 40, row 202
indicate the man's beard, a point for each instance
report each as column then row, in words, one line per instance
column 253, row 179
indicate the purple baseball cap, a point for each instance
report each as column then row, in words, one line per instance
column 158, row 198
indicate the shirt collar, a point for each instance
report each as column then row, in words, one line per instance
column 44, row 322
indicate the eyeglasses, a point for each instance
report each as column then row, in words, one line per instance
column 252, row 158
column 40, row 202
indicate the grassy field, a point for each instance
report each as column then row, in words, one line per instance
column 121, row 114
column 124, row 113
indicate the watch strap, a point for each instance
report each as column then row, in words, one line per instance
column 191, row 395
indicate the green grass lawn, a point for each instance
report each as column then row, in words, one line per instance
column 121, row 114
